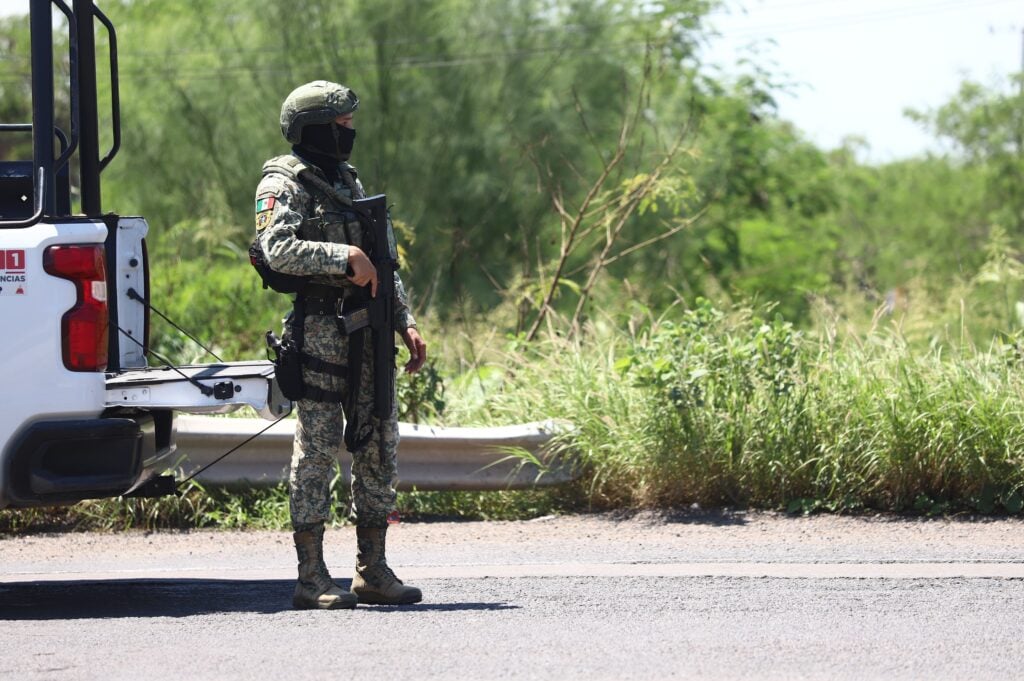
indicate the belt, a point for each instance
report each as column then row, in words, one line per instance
column 323, row 291
column 320, row 306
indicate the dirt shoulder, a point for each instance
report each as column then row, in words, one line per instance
column 614, row 538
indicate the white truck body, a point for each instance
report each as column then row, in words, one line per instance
column 69, row 435
column 83, row 414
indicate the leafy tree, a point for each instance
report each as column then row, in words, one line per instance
column 919, row 219
column 462, row 103
column 986, row 128
column 492, row 126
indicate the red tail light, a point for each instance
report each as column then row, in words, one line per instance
column 84, row 327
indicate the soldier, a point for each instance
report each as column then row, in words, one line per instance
column 304, row 229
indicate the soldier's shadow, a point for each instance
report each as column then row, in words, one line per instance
column 116, row 598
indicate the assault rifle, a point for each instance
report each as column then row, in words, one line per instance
column 378, row 313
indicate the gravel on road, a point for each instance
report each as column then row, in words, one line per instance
column 638, row 596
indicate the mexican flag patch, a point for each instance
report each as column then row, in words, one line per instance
column 265, row 203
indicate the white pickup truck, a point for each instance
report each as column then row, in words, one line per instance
column 84, row 416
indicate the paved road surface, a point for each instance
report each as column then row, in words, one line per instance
column 702, row 596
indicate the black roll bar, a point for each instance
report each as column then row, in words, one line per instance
column 88, row 151
column 89, row 155
column 43, row 126
column 84, row 115
column 27, row 127
column 41, row 32
column 75, row 118
column 115, row 89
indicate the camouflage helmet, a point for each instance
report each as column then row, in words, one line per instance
column 320, row 101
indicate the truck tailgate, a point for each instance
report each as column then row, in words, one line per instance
column 200, row 388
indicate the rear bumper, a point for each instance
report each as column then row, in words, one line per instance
column 60, row 462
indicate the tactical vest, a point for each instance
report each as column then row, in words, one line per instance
column 329, row 221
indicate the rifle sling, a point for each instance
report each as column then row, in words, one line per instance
column 307, row 176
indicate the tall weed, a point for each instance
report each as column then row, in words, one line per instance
column 717, row 407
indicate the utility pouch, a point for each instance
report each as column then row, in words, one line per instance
column 287, row 362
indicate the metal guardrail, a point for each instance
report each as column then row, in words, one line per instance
column 429, row 457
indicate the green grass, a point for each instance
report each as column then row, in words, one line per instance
column 267, row 508
column 720, row 407
column 195, row 507
column 726, row 408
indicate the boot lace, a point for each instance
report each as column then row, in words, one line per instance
column 380, row 574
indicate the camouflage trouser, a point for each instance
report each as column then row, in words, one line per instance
column 319, row 437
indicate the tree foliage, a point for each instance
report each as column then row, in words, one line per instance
column 986, row 127
column 548, row 161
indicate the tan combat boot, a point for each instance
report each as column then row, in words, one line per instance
column 374, row 581
column 315, row 590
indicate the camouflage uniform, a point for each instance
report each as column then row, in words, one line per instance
column 303, row 233
column 304, row 229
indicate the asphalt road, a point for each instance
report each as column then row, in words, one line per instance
column 703, row 596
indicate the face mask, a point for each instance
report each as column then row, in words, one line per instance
column 329, row 139
column 344, row 138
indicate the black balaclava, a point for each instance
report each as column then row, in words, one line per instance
column 326, row 144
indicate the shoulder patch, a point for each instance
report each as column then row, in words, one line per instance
column 265, row 210
column 263, row 219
